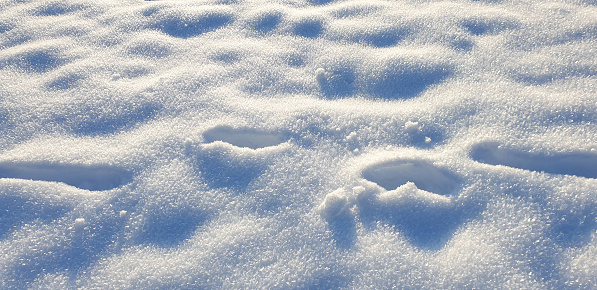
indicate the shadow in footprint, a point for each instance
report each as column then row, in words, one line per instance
column 95, row 178
column 416, row 201
column 243, row 137
column 422, row 173
column 579, row 164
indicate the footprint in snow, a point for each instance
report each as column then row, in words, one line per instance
column 571, row 229
column 421, row 173
column 581, row 164
column 93, row 178
column 228, row 166
column 415, row 196
column 249, row 138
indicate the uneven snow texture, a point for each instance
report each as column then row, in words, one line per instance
column 298, row 144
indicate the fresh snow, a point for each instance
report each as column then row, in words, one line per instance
column 298, row 144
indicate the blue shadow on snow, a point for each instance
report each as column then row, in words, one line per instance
column 170, row 229
column 182, row 26
column 581, row 164
column 93, row 178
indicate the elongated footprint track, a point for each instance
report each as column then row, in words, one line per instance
column 95, row 178
column 577, row 163
column 243, row 137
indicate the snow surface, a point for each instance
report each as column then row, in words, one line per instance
column 298, row 144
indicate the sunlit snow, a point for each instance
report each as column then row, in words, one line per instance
column 298, row 144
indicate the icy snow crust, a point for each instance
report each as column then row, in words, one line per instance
column 298, row 144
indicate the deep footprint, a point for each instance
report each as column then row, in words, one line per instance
column 243, row 137
column 578, row 164
column 422, row 173
column 426, row 219
column 95, row 178
column 417, row 201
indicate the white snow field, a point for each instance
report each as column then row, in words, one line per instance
column 298, row 144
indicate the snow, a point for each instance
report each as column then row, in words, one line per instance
column 298, row 144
